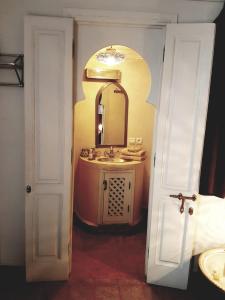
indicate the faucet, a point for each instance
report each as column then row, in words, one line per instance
column 110, row 153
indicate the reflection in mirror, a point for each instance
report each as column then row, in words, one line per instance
column 111, row 116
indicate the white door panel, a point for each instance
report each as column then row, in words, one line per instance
column 48, row 125
column 178, row 146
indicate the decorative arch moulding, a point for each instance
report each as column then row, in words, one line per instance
column 108, row 17
column 117, row 20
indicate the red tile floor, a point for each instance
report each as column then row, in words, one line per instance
column 106, row 266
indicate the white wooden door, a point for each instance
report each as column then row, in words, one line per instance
column 118, row 197
column 48, row 125
column 178, row 152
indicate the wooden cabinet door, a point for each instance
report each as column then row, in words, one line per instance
column 48, row 127
column 118, row 194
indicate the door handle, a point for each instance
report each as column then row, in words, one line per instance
column 182, row 199
column 179, row 196
column 28, row 189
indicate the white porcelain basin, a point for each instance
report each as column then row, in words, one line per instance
column 212, row 265
column 113, row 160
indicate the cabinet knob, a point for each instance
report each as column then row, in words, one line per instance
column 105, row 185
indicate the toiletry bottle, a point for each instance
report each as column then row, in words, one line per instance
column 91, row 154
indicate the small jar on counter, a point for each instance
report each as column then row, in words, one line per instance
column 91, row 154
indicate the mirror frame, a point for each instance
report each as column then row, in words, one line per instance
column 126, row 115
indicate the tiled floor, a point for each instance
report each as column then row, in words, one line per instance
column 105, row 267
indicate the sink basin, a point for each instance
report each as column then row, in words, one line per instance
column 212, row 265
column 112, row 160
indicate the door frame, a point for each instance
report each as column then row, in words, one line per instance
column 108, row 18
column 122, row 19
column 126, row 19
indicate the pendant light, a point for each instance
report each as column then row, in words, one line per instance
column 110, row 56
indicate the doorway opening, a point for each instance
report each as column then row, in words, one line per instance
column 111, row 197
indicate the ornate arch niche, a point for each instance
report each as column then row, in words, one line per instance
column 95, row 29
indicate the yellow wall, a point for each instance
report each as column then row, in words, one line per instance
column 136, row 80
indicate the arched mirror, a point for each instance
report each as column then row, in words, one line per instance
column 111, row 116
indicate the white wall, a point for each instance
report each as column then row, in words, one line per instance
column 11, row 99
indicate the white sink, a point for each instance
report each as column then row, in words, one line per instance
column 212, row 265
column 113, row 160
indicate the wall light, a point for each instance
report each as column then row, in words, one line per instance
column 110, row 56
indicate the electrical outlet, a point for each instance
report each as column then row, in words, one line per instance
column 139, row 140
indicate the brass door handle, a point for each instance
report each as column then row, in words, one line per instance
column 193, row 197
column 183, row 198
column 179, row 196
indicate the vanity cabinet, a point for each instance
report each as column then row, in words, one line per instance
column 109, row 193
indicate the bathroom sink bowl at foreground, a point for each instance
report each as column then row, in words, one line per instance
column 113, row 159
column 212, row 265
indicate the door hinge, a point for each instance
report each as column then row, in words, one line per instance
column 128, row 208
column 129, row 185
column 163, row 53
column 69, row 248
column 154, row 159
column 73, row 49
column 71, row 155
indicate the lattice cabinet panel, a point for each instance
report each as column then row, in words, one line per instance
column 117, row 196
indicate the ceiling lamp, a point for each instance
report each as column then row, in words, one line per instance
column 110, row 57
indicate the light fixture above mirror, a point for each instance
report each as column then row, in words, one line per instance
column 103, row 74
column 110, row 56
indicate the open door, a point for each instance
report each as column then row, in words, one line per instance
column 48, row 129
column 178, row 152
